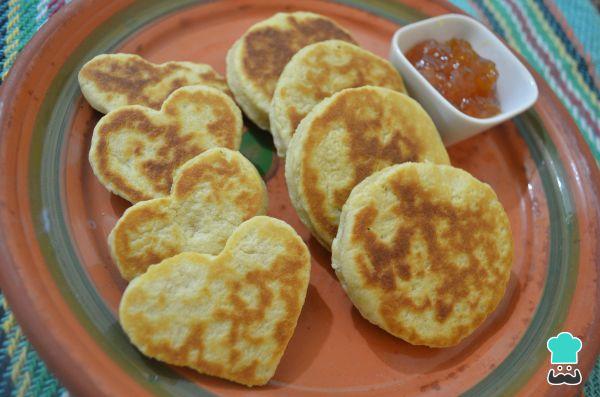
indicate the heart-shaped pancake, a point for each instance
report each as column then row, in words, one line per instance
column 211, row 195
column 230, row 315
column 111, row 81
column 135, row 150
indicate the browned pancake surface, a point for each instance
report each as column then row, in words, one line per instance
column 318, row 71
column 430, row 250
column 110, row 81
column 211, row 195
column 268, row 49
column 348, row 137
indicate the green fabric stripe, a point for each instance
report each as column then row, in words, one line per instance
column 11, row 38
column 571, row 77
column 570, row 42
column 42, row 381
column 16, row 340
column 584, row 20
column 516, row 38
column 27, row 25
column 566, row 63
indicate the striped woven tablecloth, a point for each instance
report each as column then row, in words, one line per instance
column 559, row 38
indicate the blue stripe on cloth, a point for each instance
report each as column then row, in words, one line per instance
column 490, row 17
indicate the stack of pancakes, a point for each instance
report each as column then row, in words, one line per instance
column 430, row 257
column 422, row 249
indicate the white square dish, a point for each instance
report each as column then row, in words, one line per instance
column 516, row 87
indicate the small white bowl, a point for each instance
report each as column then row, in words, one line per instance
column 516, row 87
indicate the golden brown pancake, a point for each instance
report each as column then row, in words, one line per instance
column 424, row 251
column 135, row 150
column 111, row 81
column 346, row 138
column 230, row 315
column 256, row 60
column 318, row 71
column 211, row 195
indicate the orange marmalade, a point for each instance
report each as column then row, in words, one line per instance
column 465, row 79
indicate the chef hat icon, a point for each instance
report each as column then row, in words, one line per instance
column 564, row 348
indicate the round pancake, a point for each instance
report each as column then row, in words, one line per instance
column 230, row 315
column 135, row 150
column 256, row 60
column 211, row 195
column 346, row 138
column 111, row 81
column 318, row 71
column 424, row 251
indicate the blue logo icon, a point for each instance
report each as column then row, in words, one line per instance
column 564, row 349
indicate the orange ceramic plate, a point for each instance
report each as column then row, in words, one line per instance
column 55, row 217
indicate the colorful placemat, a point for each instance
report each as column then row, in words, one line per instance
column 560, row 39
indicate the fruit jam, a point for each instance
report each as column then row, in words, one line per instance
column 465, row 79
